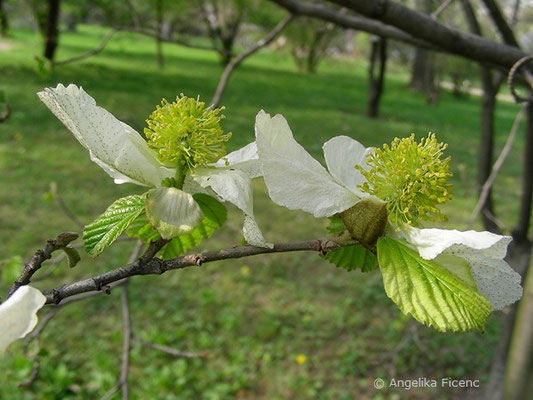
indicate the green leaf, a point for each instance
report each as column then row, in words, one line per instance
column 72, row 256
column 428, row 291
column 335, row 225
column 352, row 257
column 142, row 229
column 109, row 226
column 214, row 216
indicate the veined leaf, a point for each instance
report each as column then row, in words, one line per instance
column 429, row 292
column 109, row 226
column 214, row 216
column 335, row 225
column 142, row 229
column 352, row 257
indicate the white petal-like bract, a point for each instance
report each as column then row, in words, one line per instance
column 483, row 251
column 233, row 185
column 496, row 280
column 18, row 314
column 113, row 145
column 245, row 159
column 172, row 211
column 431, row 242
column 342, row 154
column 294, row 178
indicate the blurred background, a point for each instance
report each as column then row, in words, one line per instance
column 287, row 326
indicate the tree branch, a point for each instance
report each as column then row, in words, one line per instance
column 441, row 9
column 350, row 21
column 147, row 265
column 421, row 26
column 61, row 241
column 162, row 38
column 485, row 190
column 501, row 24
column 234, row 63
column 89, row 53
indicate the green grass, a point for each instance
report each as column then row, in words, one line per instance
column 252, row 316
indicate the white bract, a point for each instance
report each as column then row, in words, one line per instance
column 18, row 314
column 482, row 251
column 298, row 181
column 123, row 154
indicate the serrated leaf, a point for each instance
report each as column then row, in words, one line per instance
column 72, row 256
column 142, row 229
column 428, row 291
column 109, row 226
column 352, row 257
column 214, row 216
column 335, row 225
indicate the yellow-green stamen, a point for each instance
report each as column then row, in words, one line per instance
column 185, row 133
column 411, row 177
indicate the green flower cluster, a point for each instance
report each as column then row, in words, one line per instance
column 185, row 133
column 411, row 177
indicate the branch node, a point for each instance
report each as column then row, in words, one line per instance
column 97, row 283
column 56, row 295
column 199, row 260
column 327, row 246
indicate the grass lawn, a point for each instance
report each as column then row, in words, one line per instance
column 253, row 317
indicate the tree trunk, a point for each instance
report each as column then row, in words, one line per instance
column 52, row 29
column 507, row 359
column 521, row 229
column 486, row 144
column 521, row 347
column 4, row 25
column 378, row 55
column 158, row 42
column 314, row 56
column 423, row 72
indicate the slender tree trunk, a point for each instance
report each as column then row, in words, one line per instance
column 52, row 29
column 521, row 347
column 378, row 55
column 507, row 359
column 4, row 25
column 522, row 227
column 313, row 57
column 486, row 144
column 158, row 42
column 423, row 72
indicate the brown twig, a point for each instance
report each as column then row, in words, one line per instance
column 234, row 63
column 88, row 53
column 485, row 189
column 441, row 8
column 511, row 80
column 61, row 241
column 147, row 264
column 35, row 335
column 122, row 383
column 169, row 350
